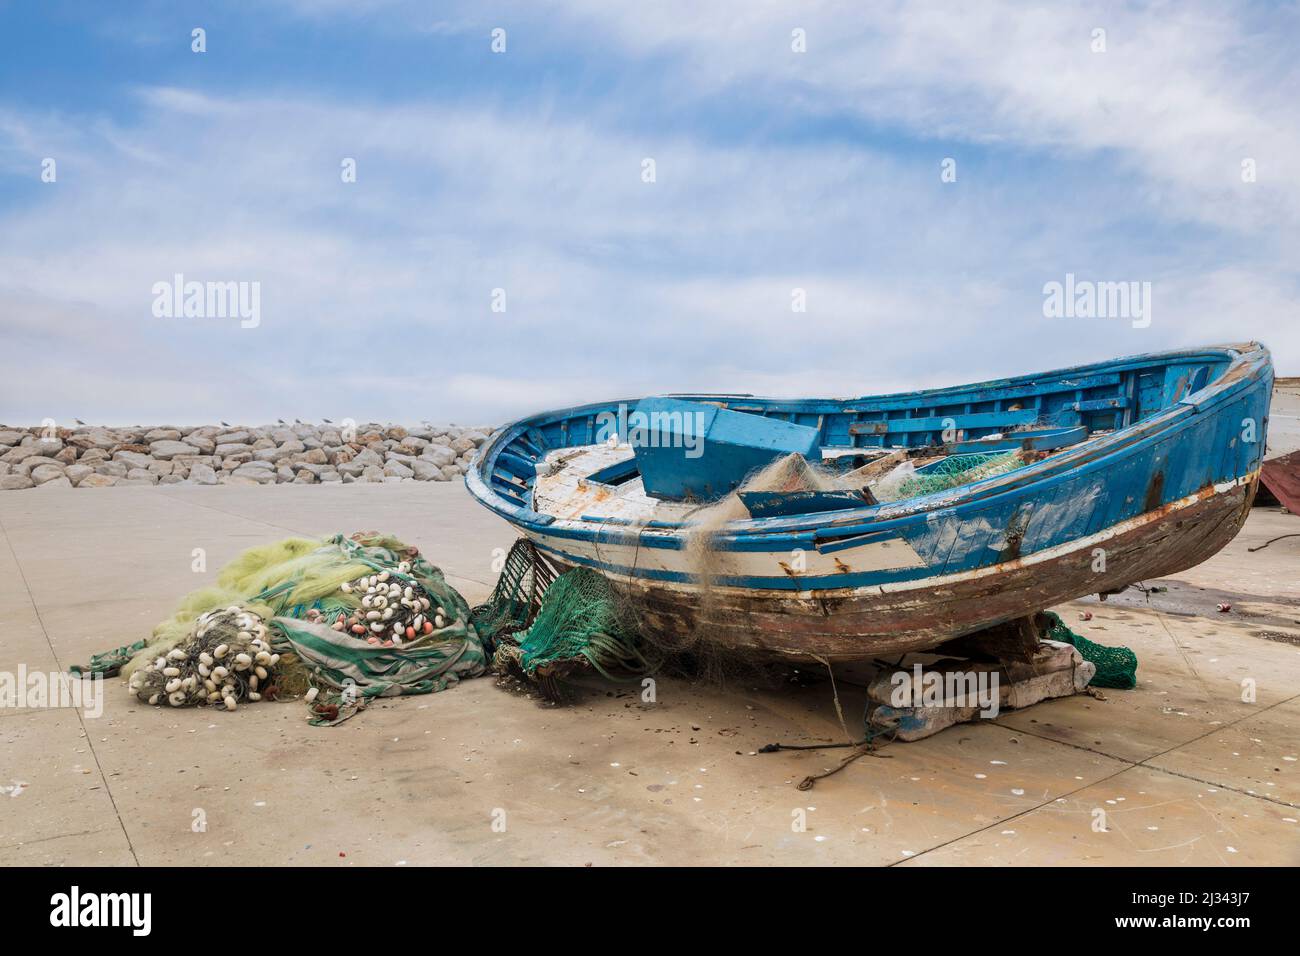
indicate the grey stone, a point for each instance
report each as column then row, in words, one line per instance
column 201, row 474
column 170, row 449
column 440, row 455
column 138, row 475
column 427, row 470
column 263, row 474
column 189, row 461
column 132, row 459
column 97, row 438
column 75, row 473
column 37, row 460
column 203, row 443
column 43, row 473
column 15, row 482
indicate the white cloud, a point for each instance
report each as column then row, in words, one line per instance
column 375, row 295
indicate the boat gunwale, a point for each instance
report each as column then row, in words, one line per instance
column 1246, row 362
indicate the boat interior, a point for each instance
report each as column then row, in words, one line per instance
column 657, row 461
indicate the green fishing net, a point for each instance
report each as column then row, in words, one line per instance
column 958, row 470
column 517, row 597
column 1116, row 666
column 581, row 623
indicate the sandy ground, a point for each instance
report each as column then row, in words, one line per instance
column 1179, row 771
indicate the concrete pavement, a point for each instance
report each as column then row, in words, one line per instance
column 1179, row 771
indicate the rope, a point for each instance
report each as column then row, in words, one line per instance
column 1271, row 540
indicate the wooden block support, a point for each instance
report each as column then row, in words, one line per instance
column 1054, row 670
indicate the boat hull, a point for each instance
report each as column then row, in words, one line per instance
column 861, row 623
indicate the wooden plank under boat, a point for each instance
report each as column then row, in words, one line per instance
column 1161, row 465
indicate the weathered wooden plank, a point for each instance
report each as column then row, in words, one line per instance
column 1024, row 416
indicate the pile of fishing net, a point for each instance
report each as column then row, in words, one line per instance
column 226, row 659
column 338, row 621
column 551, row 628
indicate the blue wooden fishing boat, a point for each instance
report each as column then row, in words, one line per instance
column 1016, row 495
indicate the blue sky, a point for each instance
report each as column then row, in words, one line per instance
column 522, row 170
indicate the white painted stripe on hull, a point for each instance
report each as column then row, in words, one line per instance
column 888, row 555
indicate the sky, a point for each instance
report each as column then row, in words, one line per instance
column 572, row 201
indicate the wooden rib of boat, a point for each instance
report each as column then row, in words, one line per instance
column 1132, row 469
